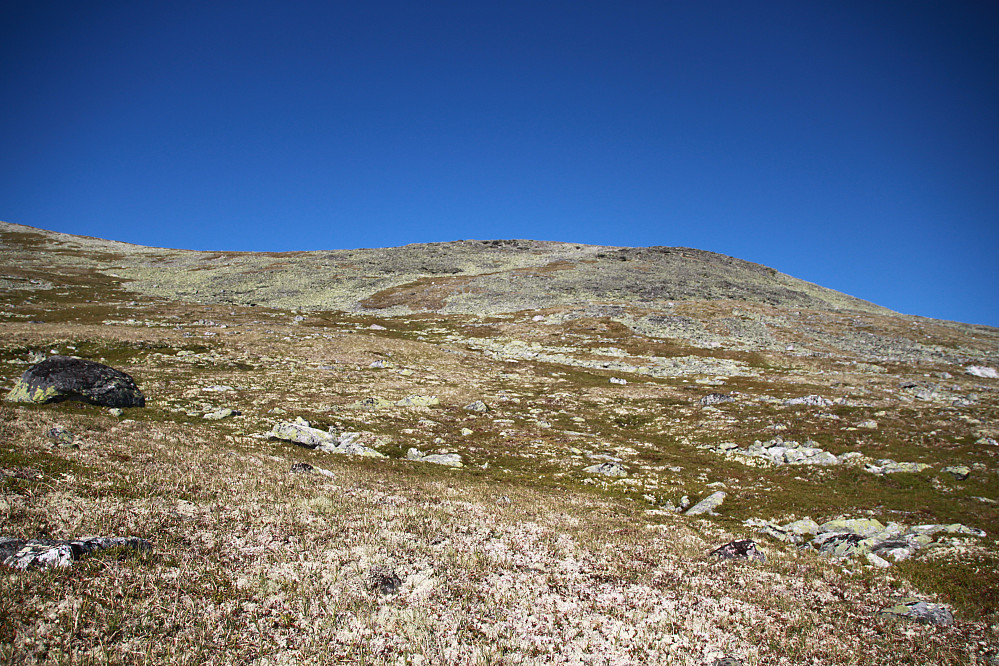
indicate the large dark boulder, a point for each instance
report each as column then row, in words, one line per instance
column 63, row 378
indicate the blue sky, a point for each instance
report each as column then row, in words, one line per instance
column 854, row 144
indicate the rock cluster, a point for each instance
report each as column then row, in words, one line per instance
column 301, row 432
column 779, row 451
column 861, row 537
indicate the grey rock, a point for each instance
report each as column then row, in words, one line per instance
column 896, row 549
column 116, row 411
column 982, row 371
column 959, row 472
column 744, row 549
column 61, row 437
column 382, row 579
column 45, row 553
column 708, row 504
column 840, row 544
column 803, row 527
column 61, row 378
column 220, row 414
column 477, row 406
column 313, row 438
column 607, row 469
column 810, row 400
column 418, row 401
column 449, row 459
column 728, row 661
column 887, row 466
column 921, row 611
column 716, row 399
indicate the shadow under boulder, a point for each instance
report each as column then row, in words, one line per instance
column 65, row 378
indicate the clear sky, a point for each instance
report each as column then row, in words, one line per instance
column 854, row 144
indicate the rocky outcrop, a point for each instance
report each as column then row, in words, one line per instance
column 46, row 553
column 61, row 378
column 869, row 538
column 301, row 432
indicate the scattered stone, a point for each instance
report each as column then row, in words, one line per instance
column 728, row 661
column 382, row 579
column 740, row 550
column 300, row 432
column 986, row 441
column 218, row 388
column 779, row 451
column 449, row 459
column 708, row 504
column 888, row 466
column 921, row 611
column 116, row 412
column 382, row 364
column 716, row 399
column 373, row 402
column 477, row 406
column 62, row 438
column 36, row 357
column 23, row 473
column 810, row 400
column 306, row 468
column 45, row 553
column 418, row 401
column 618, row 380
column 868, row 425
column 377, row 327
column 607, row 469
column 982, row 371
column 220, row 414
column 959, row 472
column 465, row 432
column 61, row 378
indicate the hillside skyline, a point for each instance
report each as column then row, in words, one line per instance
column 854, row 146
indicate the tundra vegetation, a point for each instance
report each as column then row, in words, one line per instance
column 492, row 452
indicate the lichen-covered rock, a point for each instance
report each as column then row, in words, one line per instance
column 449, row 459
column 959, row 472
column 708, row 504
column 841, row 544
column 887, row 466
column 418, row 401
column 809, row 400
column 715, row 399
column 302, row 433
column 374, row 402
column 918, row 610
column 220, row 414
column 61, row 378
column 44, row 553
column 607, row 469
column 61, row 437
column 477, row 406
column 865, row 527
column 744, row 549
